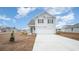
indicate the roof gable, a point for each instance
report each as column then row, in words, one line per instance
column 32, row 22
column 44, row 13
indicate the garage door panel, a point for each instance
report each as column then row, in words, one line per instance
column 46, row 30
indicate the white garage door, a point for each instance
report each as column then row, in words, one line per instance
column 45, row 30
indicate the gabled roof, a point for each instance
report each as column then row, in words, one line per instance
column 76, row 25
column 71, row 26
column 67, row 26
column 32, row 22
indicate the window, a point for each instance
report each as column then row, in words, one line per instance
column 40, row 21
column 50, row 20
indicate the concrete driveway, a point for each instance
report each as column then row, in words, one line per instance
column 52, row 42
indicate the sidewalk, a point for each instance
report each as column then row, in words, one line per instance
column 53, row 42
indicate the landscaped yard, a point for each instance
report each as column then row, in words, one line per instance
column 22, row 42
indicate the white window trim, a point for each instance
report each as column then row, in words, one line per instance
column 40, row 21
column 50, row 21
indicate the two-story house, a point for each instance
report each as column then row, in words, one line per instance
column 43, row 23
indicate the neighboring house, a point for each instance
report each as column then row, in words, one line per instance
column 0, row 28
column 70, row 28
column 67, row 28
column 76, row 27
column 58, row 30
column 7, row 29
column 43, row 23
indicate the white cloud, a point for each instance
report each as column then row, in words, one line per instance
column 4, row 23
column 4, row 17
column 22, row 11
column 0, row 24
column 65, row 20
column 57, row 10
column 68, row 17
column 60, row 24
column 5, row 20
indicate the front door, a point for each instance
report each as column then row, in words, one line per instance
column 32, row 29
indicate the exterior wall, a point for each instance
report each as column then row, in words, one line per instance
column 31, row 30
column 63, row 30
column 76, row 30
column 45, row 28
column 70, row 30
column 67, row 30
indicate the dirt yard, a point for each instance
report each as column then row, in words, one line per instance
column 22, row 42
column 69, row 35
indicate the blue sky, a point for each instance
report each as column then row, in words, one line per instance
column 19, row 17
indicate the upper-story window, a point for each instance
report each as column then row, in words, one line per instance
column 50, row 20
column 40, row 21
